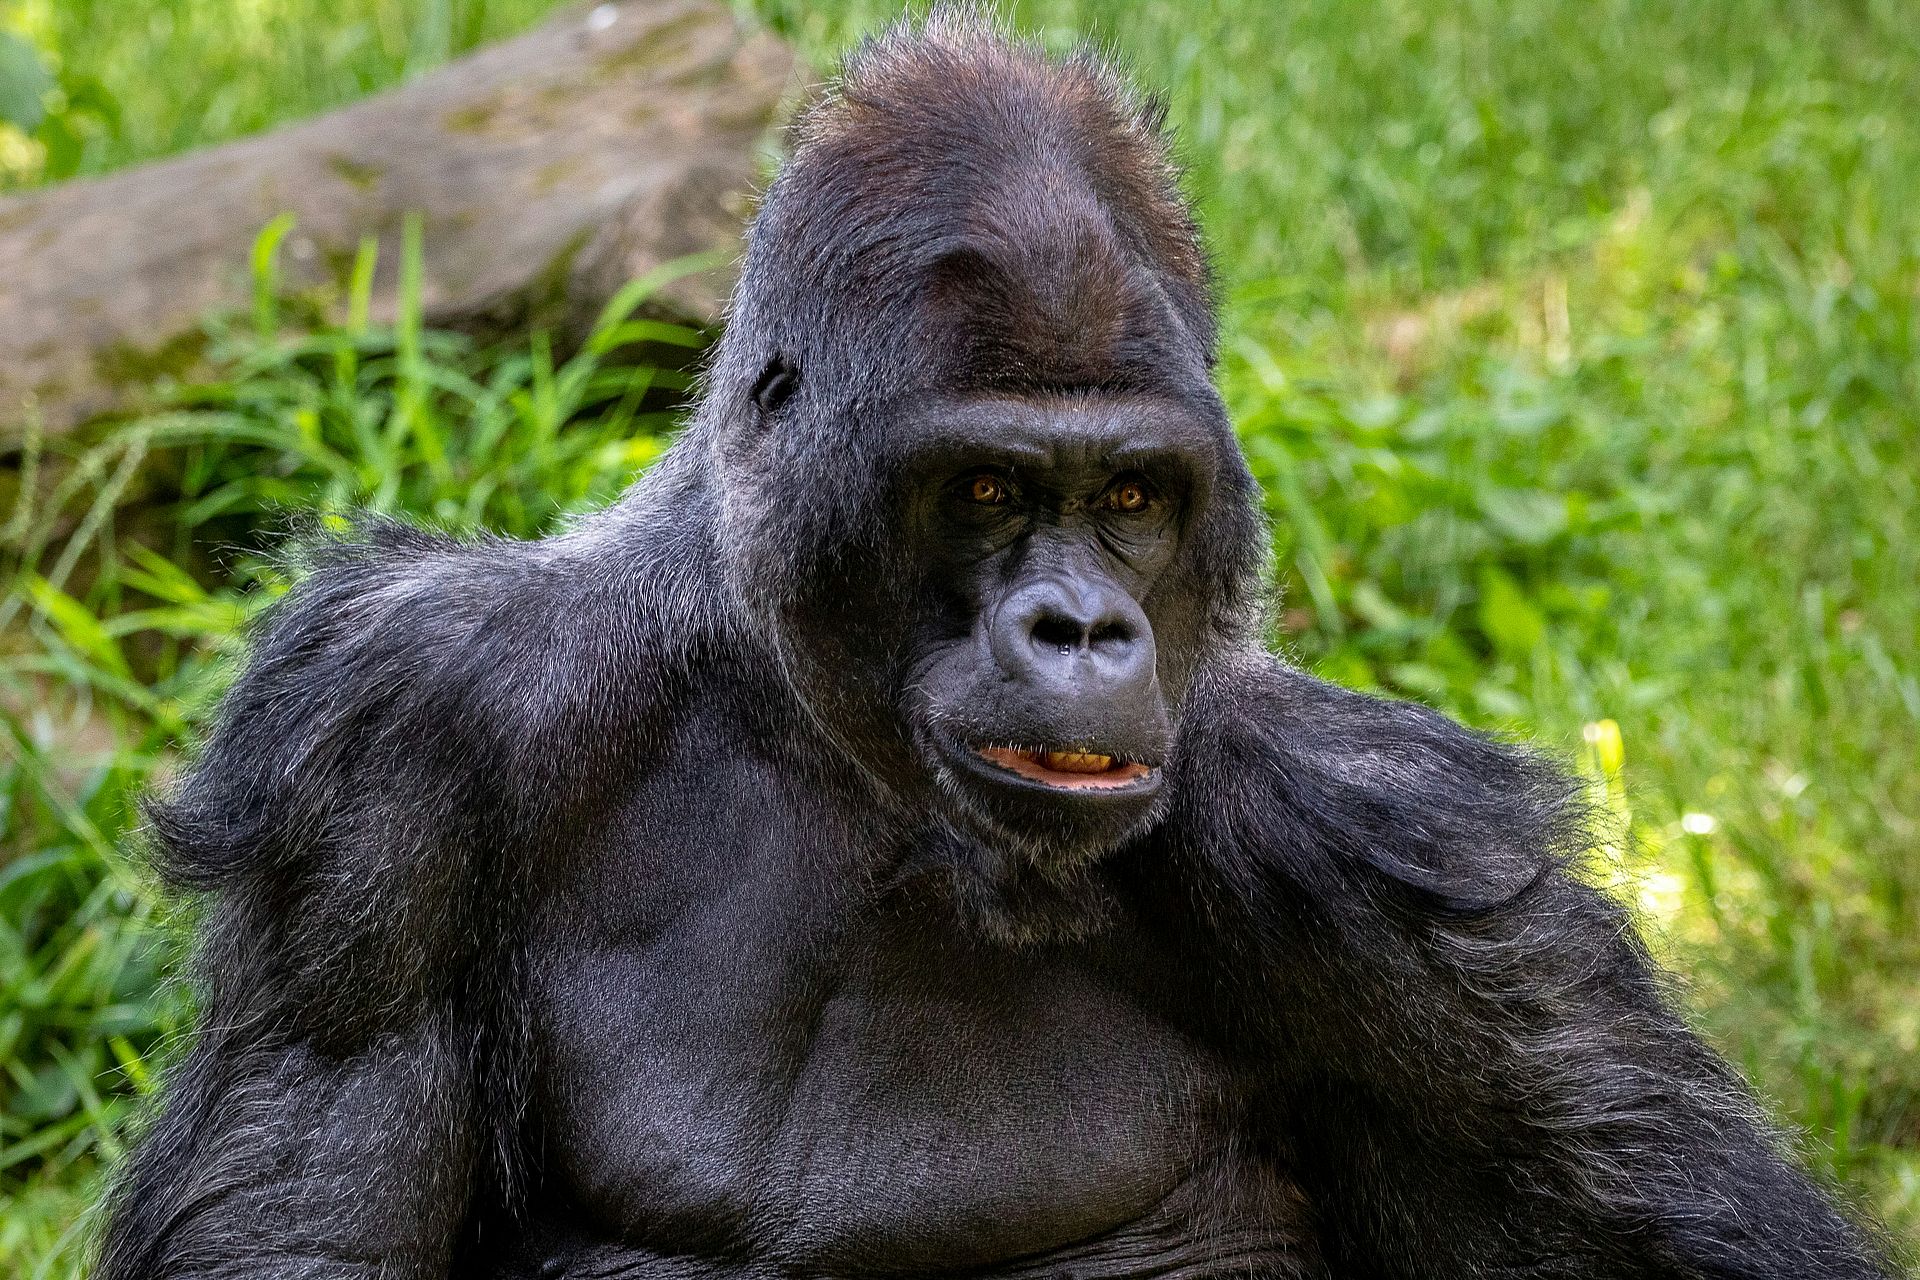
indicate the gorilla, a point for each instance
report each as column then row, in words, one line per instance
column 879, row 845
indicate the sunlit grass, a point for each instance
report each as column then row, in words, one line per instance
column 153, row 77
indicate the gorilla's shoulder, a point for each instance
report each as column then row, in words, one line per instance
column 408, row 685
column 1344, row 791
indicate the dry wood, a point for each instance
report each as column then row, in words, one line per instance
column 548, row 170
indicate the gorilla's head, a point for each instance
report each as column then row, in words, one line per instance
column 980, row 495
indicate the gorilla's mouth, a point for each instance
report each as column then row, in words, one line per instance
column 1068, row 768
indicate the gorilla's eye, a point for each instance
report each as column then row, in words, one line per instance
column 986, row 489
column 1130, row 498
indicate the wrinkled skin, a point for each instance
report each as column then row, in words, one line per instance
column 879, row 846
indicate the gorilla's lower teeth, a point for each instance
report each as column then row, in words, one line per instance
column 1076, row 761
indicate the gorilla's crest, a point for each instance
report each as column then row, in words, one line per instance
column 960, row 191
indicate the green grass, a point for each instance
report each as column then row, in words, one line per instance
column 132, row 625
column 140, row 79
column 1578, row 347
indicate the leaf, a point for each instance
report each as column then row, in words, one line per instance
column 77, row 626
column 46, row 1095
column 1507, row 617
column 87, row 95
column 1379, row 612
column 1530, row 516
column 266, row 274
column 25, row 82
column 1498, row 702
column 1418, row 678
column 1372, row 413
column 608, row 331
column 1428, row 424
column 66, row 148
column 1527, row 419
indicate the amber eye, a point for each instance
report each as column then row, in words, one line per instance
column 1131, row 497
column 988, row 490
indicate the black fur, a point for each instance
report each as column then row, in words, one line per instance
column 606, row 906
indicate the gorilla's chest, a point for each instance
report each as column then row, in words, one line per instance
column 690, row 1102
column 736, row 1068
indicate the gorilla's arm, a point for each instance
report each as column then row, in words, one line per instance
column 1475, row 1070
column 359, row 823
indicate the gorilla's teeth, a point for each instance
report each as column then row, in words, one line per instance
column 1076, row 761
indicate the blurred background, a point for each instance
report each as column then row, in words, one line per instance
column 1577, row 346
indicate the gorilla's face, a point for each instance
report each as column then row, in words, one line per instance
column 995, row 603
column 1040, row 690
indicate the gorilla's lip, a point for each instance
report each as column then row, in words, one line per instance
column 1063, row 768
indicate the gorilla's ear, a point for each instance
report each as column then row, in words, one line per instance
column 775, row 385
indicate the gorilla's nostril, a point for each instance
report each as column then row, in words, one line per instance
column 1072, row 634
column 1058, row 632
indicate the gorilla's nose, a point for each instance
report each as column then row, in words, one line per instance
column 1076, row 638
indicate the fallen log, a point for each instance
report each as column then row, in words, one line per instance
column 546, row 170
